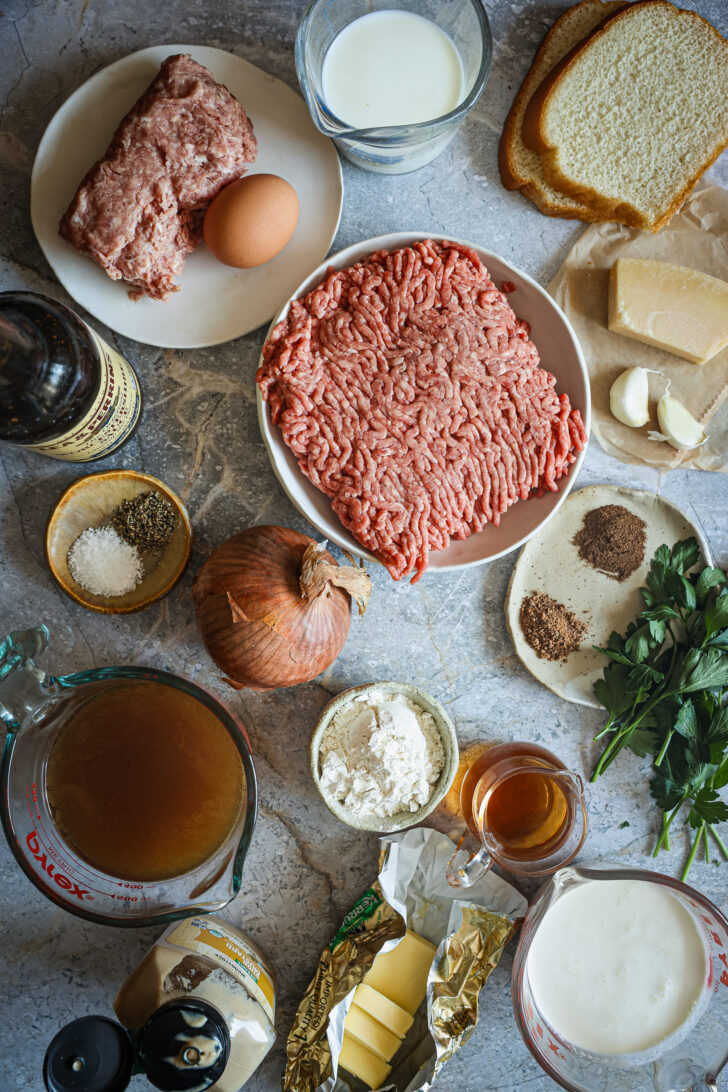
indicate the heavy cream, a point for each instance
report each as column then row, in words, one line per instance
column 391, row 68
column 618, row 966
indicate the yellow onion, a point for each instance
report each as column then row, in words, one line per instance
column 274, row 608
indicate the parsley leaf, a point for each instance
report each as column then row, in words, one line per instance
column 642, row 741
column 686, row 722
column 685, row 554
column 716, row 614
column 709, row 578
column 707, row 808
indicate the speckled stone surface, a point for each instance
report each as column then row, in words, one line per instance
column 200, row 435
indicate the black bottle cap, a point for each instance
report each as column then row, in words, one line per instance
column 92, row 1054
column 185, row 1044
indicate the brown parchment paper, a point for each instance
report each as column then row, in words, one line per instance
column 697, row 237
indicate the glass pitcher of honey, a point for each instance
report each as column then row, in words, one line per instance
column 524, row 809
column 129, row 794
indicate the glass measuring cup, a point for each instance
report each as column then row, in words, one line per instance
column 393, row 149
column 688, row 1065
column 35, row 707
column 525, row 811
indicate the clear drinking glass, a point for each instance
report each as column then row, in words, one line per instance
column 34, row 707
column 689, row 1065
column 394, row 149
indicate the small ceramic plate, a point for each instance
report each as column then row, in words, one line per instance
column 550, row 563
column 89, row 502
column 560, row 353
column 215, row 303
column 388, row 824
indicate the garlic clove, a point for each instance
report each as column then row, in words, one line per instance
column 629, row 398
column 678, row 425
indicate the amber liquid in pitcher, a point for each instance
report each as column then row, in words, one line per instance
column 526, row 812
column 144, row 782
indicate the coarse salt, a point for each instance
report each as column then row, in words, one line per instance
column 381, row 756
column 103, row 563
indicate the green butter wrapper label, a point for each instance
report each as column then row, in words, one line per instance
column 343, row 963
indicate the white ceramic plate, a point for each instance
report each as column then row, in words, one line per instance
column 560, row 353
column 215, row 303
column 550, row 563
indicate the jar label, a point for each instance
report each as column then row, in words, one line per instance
column 110, row 420
column 229, row 950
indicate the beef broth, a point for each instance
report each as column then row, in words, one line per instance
column 144, row 782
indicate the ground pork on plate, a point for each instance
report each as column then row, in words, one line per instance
column 412, row 396
column 138, row 212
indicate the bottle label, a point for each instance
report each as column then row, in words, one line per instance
column 213, row 939
column 110, row 420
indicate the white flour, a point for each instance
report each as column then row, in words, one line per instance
column 381, row 755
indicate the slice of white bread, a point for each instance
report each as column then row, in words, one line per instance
column 633, row 117
column 520, row 167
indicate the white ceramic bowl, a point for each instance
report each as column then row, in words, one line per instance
column 388, row 824
column 560, row 354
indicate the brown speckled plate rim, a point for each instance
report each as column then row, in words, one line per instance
column 390, row 823
column 135, row 475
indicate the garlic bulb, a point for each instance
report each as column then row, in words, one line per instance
column 629, row 398
column 678, row 425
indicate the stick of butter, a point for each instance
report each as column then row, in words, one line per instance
column 382, row 1009
column 370, row 1033
column 669, row 306
column 363, row 1063
column 401, row 975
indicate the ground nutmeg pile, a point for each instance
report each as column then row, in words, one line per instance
column 612, row 541
column 550, row 628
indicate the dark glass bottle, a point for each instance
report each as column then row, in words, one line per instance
column 63, row 391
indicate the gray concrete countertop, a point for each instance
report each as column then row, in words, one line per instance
column 200, row 435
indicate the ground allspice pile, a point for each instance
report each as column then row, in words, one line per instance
column 612, row 541
column 550, row 628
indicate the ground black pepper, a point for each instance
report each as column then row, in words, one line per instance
column 612, row 541
column 146, row 521
column 552, row 631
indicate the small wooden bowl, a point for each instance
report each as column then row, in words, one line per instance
column 89, row 502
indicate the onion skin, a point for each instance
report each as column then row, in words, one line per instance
column 255, row 623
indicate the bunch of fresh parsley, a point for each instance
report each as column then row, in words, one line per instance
column 665, row 692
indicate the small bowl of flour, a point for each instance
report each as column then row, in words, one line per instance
column 383, row 756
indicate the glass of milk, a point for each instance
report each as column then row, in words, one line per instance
column 391, row 80
column 620, row 982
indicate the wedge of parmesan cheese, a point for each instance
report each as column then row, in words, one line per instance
column 669, row 306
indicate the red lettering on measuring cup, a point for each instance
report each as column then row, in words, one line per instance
column 33, row 843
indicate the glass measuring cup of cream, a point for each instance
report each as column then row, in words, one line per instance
column 129, row 793
column 525, row 811
column 620, row 981
column 392, row 85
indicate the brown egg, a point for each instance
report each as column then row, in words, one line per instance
column 251, row 220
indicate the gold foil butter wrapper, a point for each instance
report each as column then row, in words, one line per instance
column 470, row 933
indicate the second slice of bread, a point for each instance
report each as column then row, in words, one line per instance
column 520, row 167
column 633, row 118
